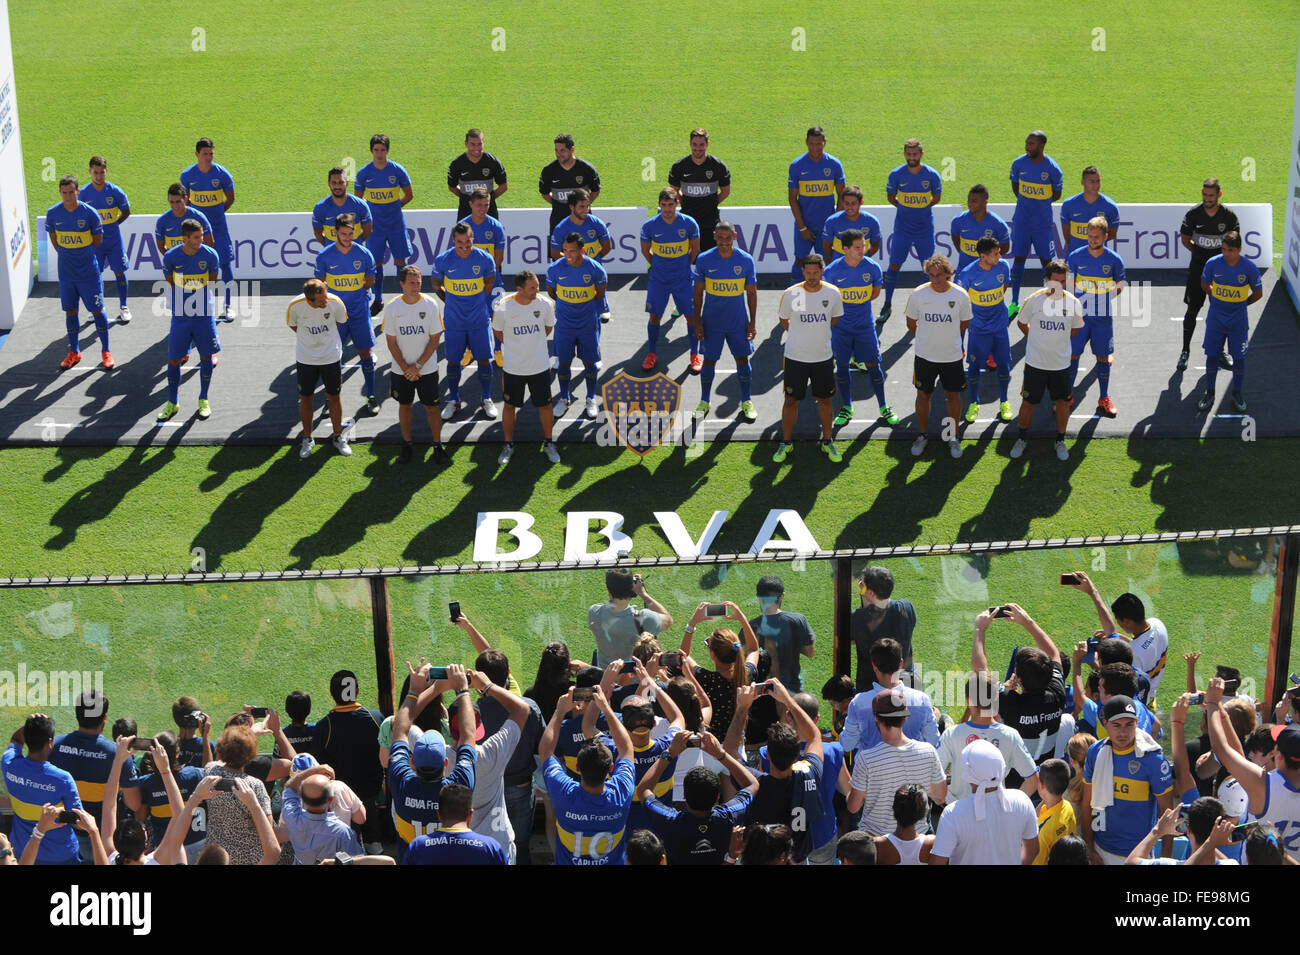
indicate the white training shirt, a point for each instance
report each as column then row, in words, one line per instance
column 1150, row 649
column 938, row 317
column 413, row 326
column 1051, row 320
column 1009, row 819
column 1006, row 739
column 809, row 315
column 317, row 328
column 523, row 349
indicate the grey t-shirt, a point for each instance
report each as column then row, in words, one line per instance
column 616, row 631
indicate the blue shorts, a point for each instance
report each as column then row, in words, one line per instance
column 382, row 240
column 900, row 243
column 110, row 254
column 1100, row 333
column 733, row 331
column 89, row 291
column 982, row 342
column 1042, row 236
column 568, row 340
column 858, row 342
column 359, row 329
column 803, row 246
column 683, row 292
column 224, row 246
column 1234, row 333
column 477, row 338
column 199, row 333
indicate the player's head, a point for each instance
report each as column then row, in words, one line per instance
column 178, row 198
column 474, row 144
column 91, row 710
column 409, row 278
column 1119, row 714
column 1054, row 777
column 344, row 687
column 38, row 733
column 939, row 268
column 855, row 244
column 313, row 290
column 813, row 265
column 1035, row 143
column 338, row 182
column 379, row 142
column 853, row 193
column 580, row 202
column 668, row 198
column 98, row 170
column 912, row 152
column 700, row 789
column 1055, row 273
column 1097, row 230
column 572, row 248
column 563, row 147
column 192, row 235
column 462, row 236
column 699, row 143
column 724, row 236
column 989, row 250
column 345, row 227
column 782, row 746
column 68, row 187
column 1034, row 668
column 204, row 149
column 480, row 201
column 1210, row 193
column 982, row 691
column 1130, row 613
column 1231, row 245
column 526, row 281
column 815, row 140
column 977, row 200
column 594, row 762
column 1091, row 180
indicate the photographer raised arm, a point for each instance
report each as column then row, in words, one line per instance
column 1106, row 620
column 638, row 586
column 1076, row 672
column 551, row 735
column 261, row 821
column 617, row 731
column 171, row 851
column 50, row 820
column 419, row 695
column 1227, row 749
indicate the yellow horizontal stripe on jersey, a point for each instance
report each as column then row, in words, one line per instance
column 74, row 240
column 27, row 811
column 1035, row 190
column 488, row 247
column 1224, row 293
column 1093, row 284
column 1079, row 230
column 161, row 812
column 463, row 287
column 190, row 282
column 405, row 830
column 592, row 248
column 992, row 296
column 571, row 763
column 1132, row 790
column 207, row 197
column 669, row 250
column 913, row 200
column 577, row 294
column 90, row 792
column 606, row 844
column 968, row 246
column 110, row 215
column 331, row 234
column 816, row 187
column 727, row 288
column 383, row 196
column 171, row 240
column 346, row 283
column 860, row 295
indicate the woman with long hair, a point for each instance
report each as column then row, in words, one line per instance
column 731, row 660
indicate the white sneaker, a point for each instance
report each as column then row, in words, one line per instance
column 449, row 410
column 598, row 365
column 228, row 314
column 341, row 445
column 124, row 316
column 592, row 409
column 604, row 317
column 1018, row 448
column 918, row 446
column 552, row 452
column 954, row 448
column 1061, row 453
column 504, row 457
column 561, row 405
column 490, row 409
column 307, row 444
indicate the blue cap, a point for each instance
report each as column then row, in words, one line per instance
column 303, row 761
column 429, row 752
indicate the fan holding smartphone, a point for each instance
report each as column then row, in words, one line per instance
column 617, row 624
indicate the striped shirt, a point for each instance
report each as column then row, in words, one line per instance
column 879, row 771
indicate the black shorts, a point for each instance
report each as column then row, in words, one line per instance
column 403, row 391
column 539, row 387
column 950, row 374
column 1193, row 294
column 797, row 375
column 308, row 375
column 1056, row 383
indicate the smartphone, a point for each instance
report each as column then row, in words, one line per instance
column 1239, row 833
column 1093, row 642
column 583, row 694
column 260, row 712
column 224, row 785
column 1068, row 579
column 142, row 742
column 1196, row 699
column 999, row 613
column 453, row 609
column 629, row 667
column 694, row 741
column 437, row 673
column 763, row 689
column 1180, row 827
column 190, row 720
column 673, row 659
column 715, row 610
column 68, row 817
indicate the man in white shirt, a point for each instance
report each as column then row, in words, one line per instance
column 993, row 826
column 521, row 323
column 938, row 314
column 315, row 317
column 413, row 328
column 895, row 761
column 1048, row 318
column 982, row 699
column 808, row 312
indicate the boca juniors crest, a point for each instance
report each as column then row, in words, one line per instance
column 640, row 411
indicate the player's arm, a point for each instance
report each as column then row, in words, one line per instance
column 695, row 249
column 645, row 252
column 438, row 290
column 1252, row 778
column 499, row 254
column 396, row 352
column 723, row 193
column 751, row 300
column 600, row 290
column 1103, row 612
column 488, row 282
column 407, row 195
column 698, row 323
column 126, row 214
column 452, row 187
column 367, row 227
column 320, row 235
column 839, row 196
column 1018, row 615
column 979, row 661
column 798, row 213
column 605, row 245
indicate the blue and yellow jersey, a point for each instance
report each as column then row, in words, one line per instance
column 167, row 230
column 415, row 800
column 987, row 289
column 193, row 277
column 912, row 191
column 966, row 230
column 574, row 290
column 345, row 273
column 73, row 234
column 591, row 230
column 670, row 246
column 1230, row 286
column 112, row 204
column 1139, row 780
column 489, row 235
column 589, row 829
column 88, row 757
column 1035, row 183
column 724, row 282
column 208, row 191
column 857, row 285
column 31, row 785
column 464, row 281
column 1093, row 280
column 327, row 210
column 815, row 183
column 153, row 793
column 383, row 190
column 840, row 223
column 1075, row 213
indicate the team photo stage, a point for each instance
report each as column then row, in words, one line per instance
column 254, row 388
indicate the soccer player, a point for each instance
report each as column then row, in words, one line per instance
column 348, row 269
column 489, row 232
column 938, row 314
column 1202, row 233
column 76, row 231
column 850, row 217
column 977, row 223
column 815, row 185
column 191, row 270
column 167, row 230
column 387, row 189
column 475, row 169
column 463, row 277
column 317, row 319
column 521, row 323
column 809, row 313
column 576, row 283
column 1233, row 284
column 1048, row 319
column 670, row 243
column 912, row 188
column 722, row 276
column 985, row 281
column 596, row 240
column 1096, row 276
column 212, row 189
column 858, row 278
column 704, row 183
column 114, row 209
column 413, row 327
column 561, row 177
column 1082, row 207
column 1036, row 182
column 339, row 201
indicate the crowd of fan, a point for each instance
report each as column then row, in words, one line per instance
column 646, row 756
